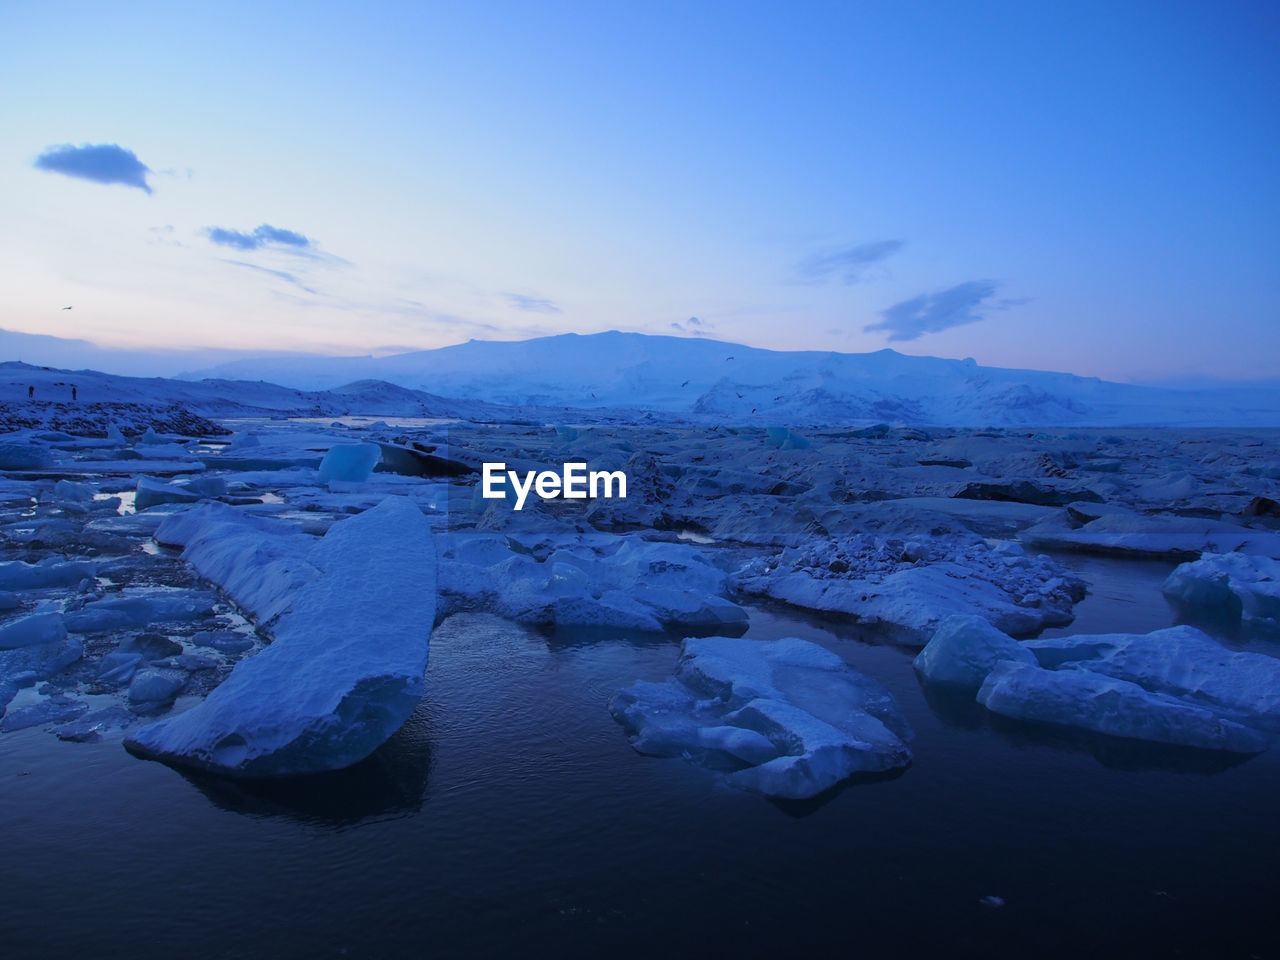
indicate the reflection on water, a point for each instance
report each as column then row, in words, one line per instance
column 390, row 783
column 512, row 814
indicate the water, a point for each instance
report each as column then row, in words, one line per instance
column 510, row 816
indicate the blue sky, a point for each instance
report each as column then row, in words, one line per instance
column 1087, row 186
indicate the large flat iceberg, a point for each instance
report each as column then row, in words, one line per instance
column 1176, row 686
column 786, row 718
column 351, row 619
column 1093, row 701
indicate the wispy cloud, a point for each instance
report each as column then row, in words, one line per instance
column 693, row 326
column 284, row 275
column 955, row 306
column 106, row 163
column 848, row 264
column 532, row 304
column 264, row 235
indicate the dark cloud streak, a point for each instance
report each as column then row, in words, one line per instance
column 956, row 306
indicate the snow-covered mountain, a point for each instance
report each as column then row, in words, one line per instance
column 712, row 379
column 229, row 398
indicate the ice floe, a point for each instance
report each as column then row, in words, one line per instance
column 345, row 668
column 786, row 718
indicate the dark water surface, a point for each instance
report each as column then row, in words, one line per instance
column 511, row 817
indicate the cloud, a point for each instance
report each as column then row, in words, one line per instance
column 693, row 326
column 955, row 306
column 532, row 304
column 284, row 275
column 97, row 162
column 262, row 236
column 850, row 264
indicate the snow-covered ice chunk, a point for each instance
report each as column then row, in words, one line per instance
column 1230, row 590
column 965, row 649
column 346, row 666
column 37, row 628
column 1103, row 704
column 909, row 587
column 260, row 563
column 1181, row 662
column 786, row 718
column 350, row 462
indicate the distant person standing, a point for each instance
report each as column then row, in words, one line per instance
column 31, row 393
column 73, row 393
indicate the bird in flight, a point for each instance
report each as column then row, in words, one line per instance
column 728, row 359
column 66, row 308
column 685, row 384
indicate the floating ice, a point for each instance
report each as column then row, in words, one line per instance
column 70, row 491
column 786, row 718
column 624, row 583
column 156, row 685
column 1230, row 590
column 908, row 587
column 140, row 610
column 26, row 665
column 965, row 649
column 37, row 628
column 346, row 666
column 24, row 456
column 56, row 709
column 16, row 575
column 152, row 493
column 1182, row 662
column 1093, row 701
column 350, row 462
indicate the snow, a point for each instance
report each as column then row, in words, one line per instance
column 1229, row 590
column 964, row 650
column 260, row 563
column 705, row 379
column 345, row 668
column 785, row 718
column 909, row 587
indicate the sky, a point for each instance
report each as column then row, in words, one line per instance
column 1089, row 187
